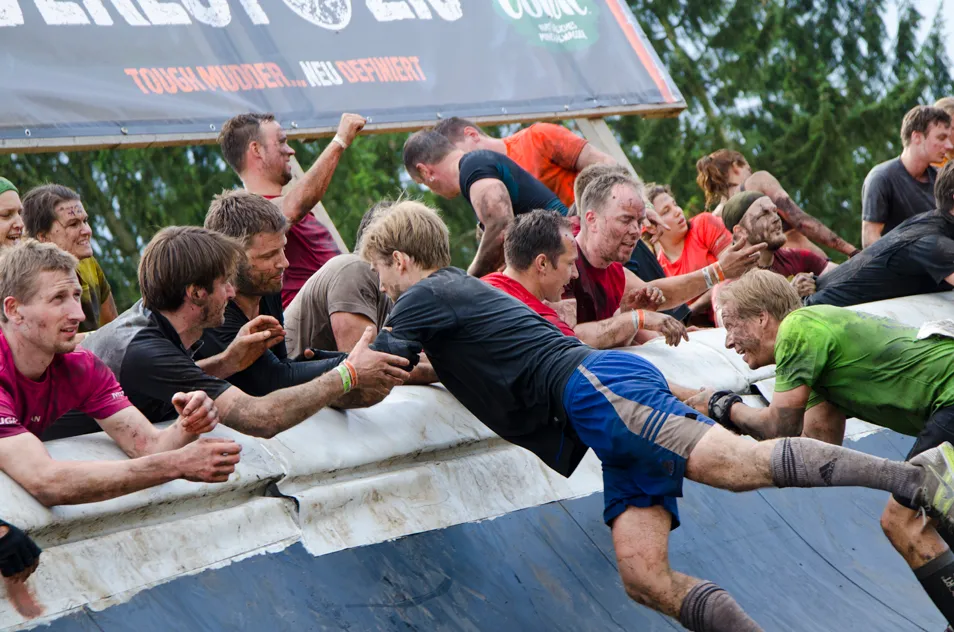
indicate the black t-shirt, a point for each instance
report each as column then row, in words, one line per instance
column 273, row 370
column 890, row 195
column 644, row 264
column 145, row 353
column 503, row 361
column 914, row 258
column 526, row 192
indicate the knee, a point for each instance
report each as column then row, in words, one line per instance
column 647, row 588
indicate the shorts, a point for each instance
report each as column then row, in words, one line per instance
column 938, row 429
column 620, row 406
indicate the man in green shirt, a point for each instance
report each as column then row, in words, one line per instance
column 55, row 213
column 832, row 363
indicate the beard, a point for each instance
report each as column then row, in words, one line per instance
column 250, row 284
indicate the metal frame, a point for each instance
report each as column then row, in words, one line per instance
column 121, row 141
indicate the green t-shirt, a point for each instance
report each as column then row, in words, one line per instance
column 96, row 291
column 869, row 367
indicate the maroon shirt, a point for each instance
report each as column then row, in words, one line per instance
column 310, row 246
column 791, row 261
column 598, row 291
column 77, row 380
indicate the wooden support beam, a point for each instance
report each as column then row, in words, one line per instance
column 319, row 211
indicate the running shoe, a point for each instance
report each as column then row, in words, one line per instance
column 936, row 493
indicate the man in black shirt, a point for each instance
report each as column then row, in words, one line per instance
column 903, row 187
column 554, row 396
column 184, row 277
column 495, row 186
column 917, row 257
column 260, row 227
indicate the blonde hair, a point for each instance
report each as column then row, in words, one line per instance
column 21, row 265
column 946, row 104
column 591, row 173
column 412, row 228
column 712, row 174
column 759, row 291
column 599, row 191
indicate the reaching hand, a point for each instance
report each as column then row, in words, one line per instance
column 655, row 220
column 208, row 460
column 804, row 284
column 647, row 297
column 253, row 339
column 349, row 126
column 700, row 401
column 376, row 369
column 672, row 329
column 197, row 411
column 739, row 258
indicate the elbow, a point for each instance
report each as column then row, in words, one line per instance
column 46, row 490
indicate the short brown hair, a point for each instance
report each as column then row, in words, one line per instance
column 22, row 264
column 712, row 174
column 529, row 235
column 919, row 119
column 590, row 173
column 453, row 128
column 39, row 207
column 411, row 228
column 236, row 135
column 944, row 188
column 181, row 256
column 654, row 190
column 759, row 291
column 242, row 215
column 425, row 147
column 946, row 104
column 369, row 216
column 600, row 190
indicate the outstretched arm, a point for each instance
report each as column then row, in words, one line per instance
column 804, row 223
column 312, row 187
column 491, row 202
column 784, row 417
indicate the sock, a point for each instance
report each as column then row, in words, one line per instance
column 937, row 578
column 809, row 463
column 708, row 608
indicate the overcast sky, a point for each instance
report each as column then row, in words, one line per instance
column 928, row 9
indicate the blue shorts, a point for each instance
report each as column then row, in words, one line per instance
column 621, row 407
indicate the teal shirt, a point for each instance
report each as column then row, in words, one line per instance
column 869, row 367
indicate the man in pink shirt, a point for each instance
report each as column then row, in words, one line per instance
column 43, row 375
column 256, row 147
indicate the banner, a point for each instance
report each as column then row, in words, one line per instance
column 92, row 68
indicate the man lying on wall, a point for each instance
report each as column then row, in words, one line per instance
column 551, row 394
column 917, row 257
column 831, row 363
column 260, row 227
column 186, row 280
column 43, row 374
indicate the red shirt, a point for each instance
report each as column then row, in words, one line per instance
column 790, row 261
column 705, row 239
column 77, row 380
column 515, row 289
column 549, row 152
column 310, row 246
column 598, row 291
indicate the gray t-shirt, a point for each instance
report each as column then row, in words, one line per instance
column 345, row 284
column 890, row 195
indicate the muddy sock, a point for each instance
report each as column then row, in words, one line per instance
column 937, row 578
column 708, row 608
column 810, row 463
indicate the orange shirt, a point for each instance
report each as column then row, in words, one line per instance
column 549, row 152
column 705, row 239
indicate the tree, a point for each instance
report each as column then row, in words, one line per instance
column 811, row 90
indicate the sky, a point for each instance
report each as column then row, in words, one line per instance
column 927, row 8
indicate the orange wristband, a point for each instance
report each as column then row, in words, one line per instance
column 353, row 372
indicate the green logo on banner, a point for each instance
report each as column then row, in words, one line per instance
column 568, row 24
